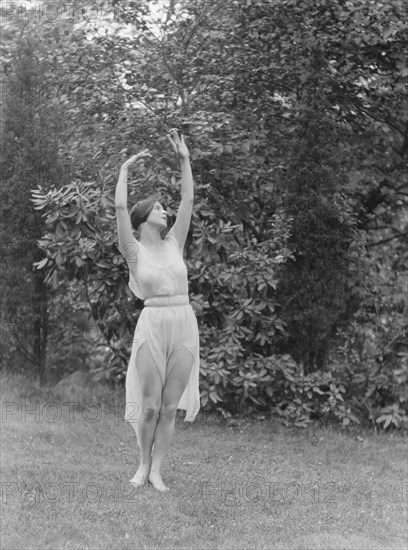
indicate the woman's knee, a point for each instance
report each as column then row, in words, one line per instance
column 168, row 410
column 151, row 409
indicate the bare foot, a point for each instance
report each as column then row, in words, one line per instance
column 141, row 475
column 157, row 482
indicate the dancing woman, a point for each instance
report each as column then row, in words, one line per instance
column 163, row 370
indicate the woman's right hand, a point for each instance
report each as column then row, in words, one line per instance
column 143, row 154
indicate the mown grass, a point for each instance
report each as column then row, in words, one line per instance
column 254, row 485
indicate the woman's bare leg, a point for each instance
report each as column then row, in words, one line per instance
column 151, row 388
column 173, row 390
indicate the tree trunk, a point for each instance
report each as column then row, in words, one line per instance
column 40, row 328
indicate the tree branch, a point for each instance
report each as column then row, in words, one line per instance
column 383, row 241
column 367, row 113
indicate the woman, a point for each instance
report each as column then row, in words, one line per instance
column 163, row 370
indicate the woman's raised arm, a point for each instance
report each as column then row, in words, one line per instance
column 182, row 223
column 127, row 243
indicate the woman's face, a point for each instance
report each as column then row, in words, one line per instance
column 158, row 216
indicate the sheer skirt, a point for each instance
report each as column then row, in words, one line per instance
column 165, row 324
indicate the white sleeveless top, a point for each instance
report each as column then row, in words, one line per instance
column 160, row 280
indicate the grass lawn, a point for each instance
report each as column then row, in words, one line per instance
column 65, row 472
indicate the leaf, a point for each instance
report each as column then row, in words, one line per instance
column 41, row 263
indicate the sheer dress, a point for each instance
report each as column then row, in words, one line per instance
column 166, row 324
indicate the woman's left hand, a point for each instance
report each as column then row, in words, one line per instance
column 178, row 144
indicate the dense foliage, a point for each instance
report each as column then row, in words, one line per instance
column 29, row 155
column 295, row 116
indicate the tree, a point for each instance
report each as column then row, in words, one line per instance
column 235, row 78
column 30, row 155
column 313, row 285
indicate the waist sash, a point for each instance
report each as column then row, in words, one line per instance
column 170, row 301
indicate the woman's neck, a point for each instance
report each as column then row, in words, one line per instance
column 151, row 238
